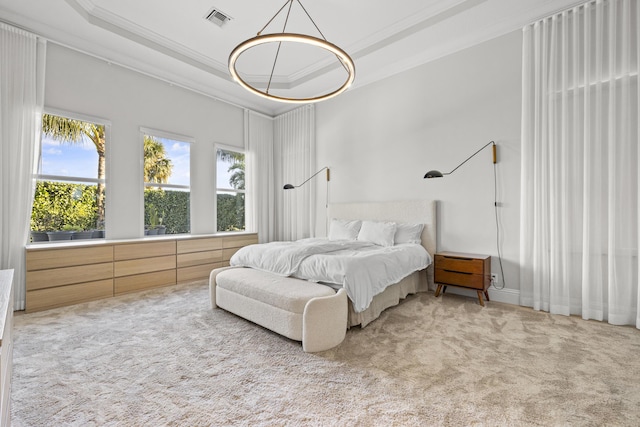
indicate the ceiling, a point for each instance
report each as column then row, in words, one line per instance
column 173, row 41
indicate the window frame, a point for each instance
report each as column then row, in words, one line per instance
column 38, row 176
column 82, row 118
column 174, row 137
column 240, row 150
column 157, row 133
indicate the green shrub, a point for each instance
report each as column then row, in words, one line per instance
column 172, row 209
column 58, row 205
column 231, row 212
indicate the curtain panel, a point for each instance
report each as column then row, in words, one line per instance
column 579, row 199
column 295, row 161
column 22, row 59
column 260, row 200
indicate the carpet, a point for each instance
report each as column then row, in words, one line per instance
column 164, row 358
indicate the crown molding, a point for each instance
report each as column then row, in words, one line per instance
column 212, row 79
column 116, row 24
column 376, row 43
column 404, row 28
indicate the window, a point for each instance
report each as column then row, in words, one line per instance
column 166, row 183
column 69, row 200
column 230, row 183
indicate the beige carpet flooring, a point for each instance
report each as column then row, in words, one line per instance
column 164, row 358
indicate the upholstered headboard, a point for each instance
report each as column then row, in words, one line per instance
column 407, row 211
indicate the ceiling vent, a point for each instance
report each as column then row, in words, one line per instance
column 217, row 17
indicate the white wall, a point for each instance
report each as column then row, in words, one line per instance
column 381, row 139
column 79, row 83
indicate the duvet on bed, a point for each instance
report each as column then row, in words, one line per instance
column 363, row 269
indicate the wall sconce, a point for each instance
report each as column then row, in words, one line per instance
column 290, row 186
column 326, row 202
column 438, row 174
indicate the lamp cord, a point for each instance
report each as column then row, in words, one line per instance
column 275, row 60
column 274, row 16
column 495, row 207
column 290, row 3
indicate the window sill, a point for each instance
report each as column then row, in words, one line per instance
column 103, row 241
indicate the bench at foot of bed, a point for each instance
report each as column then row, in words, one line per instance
column 300, row 310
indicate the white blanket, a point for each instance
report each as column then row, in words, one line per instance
column 362, row 268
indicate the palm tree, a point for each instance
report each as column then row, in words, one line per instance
column 228, row 156
column 73, row 131
column 157, row 167
column 237, row 177
column 237, row 167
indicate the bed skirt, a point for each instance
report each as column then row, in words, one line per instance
column 415, row 282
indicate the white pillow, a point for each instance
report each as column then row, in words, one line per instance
column 379, row 233
column 408, row 233
column 342, row 229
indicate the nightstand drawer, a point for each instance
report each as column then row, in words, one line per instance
column 460, row 264
column 468, row 280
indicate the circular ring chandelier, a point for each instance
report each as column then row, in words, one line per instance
column 322, row 43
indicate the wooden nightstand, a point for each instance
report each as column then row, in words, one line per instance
column 464, row 270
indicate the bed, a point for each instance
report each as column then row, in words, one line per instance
column 313, row 313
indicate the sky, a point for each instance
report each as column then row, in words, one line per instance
column 178, row 152
column 57, row 159
column 222, row 174
column 81, row 160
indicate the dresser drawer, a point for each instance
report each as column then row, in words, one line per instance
column 467, row 280
column 57, row 258
column 125, row 252
column 42, row 299
column 239, row 241
column 199, row 258
column 460, row 264
column 199, row 245
column 143, row 265
column 54, row 277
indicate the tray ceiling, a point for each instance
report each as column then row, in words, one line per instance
column 174, row 41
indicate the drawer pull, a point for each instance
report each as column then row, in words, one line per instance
column 457, row 272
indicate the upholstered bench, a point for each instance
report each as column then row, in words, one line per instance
column 298, row 309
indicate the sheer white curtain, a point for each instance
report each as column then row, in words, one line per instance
column 295, row 161
column 260, row 201
column 580, row 204
column 21, row 102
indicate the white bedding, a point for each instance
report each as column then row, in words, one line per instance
column 363, row 269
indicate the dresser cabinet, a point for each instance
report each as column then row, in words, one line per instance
column 197, row 257
column 61, row 274
column 144, row 265
column 6, row 345
column 470, row 271
column 64, row 276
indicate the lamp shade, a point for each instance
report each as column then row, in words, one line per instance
column 433, row 174
column 288, row 187
column 289, row 38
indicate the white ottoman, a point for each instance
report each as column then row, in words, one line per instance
column 300, row 310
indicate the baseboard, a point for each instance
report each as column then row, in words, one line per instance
column 506, row 295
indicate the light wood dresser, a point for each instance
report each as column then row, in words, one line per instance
column 65, row 274
column 6, row 345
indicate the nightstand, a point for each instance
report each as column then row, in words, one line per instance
column 469, row 271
